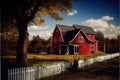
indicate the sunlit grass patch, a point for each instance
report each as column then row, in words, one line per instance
column 58, row 57
column 37, row 59
column 63, row 57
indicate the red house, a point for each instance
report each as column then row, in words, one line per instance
column 74, row 39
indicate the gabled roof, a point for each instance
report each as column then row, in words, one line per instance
column 71, row 34
column 63, row 29
column 87, row 30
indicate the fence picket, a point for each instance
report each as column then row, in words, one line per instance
column 32, row 73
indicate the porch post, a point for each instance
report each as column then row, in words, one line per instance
column 67, row 50
column 59, row 49
column 74, row 49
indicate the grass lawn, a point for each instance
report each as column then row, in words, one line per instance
column 37, row 59
column 57, row 57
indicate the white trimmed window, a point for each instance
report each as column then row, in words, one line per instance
column 56, row 30
column 81, row 39
column 89, row 35
column 59, row 38
column 55, row 40
column 92, row 48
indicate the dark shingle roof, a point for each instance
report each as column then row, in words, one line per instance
column 87, row 30
column 69, row 32
column 64, row 29
column 70, row 35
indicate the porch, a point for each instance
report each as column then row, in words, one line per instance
column 68, row 49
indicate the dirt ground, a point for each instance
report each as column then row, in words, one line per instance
column 107, row 70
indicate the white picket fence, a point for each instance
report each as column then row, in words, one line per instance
column 101, row 58
column 33, row 73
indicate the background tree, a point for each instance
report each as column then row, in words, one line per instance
column 37, row 45
column 100, row 37
column 22, row 12
column 108, row 45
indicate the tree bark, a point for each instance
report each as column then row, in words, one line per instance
column 21, row 58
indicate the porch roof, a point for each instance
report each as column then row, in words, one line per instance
column 69, row 44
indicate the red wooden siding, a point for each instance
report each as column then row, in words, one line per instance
column 84, row 46
column 90, row 37
column 56, row 39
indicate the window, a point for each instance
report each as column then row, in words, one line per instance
column 55, row 46
column 55, row 39
column 81, row 39
column 92, row 48
column 59, row 39
column 89, row 35
column 56, row 30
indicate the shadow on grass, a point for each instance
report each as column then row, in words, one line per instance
column 107, row 70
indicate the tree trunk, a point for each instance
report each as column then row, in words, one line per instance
column 21, row 59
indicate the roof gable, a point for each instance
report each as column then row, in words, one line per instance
column 64, row 29
column 87, row 30
column 68, row 33
column 71, row 34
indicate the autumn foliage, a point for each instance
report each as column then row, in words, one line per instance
column 37, row 45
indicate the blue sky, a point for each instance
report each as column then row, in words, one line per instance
column 101, row 15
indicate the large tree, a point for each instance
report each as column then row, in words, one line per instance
column 21, row 12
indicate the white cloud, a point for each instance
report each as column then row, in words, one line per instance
column 96, row 23
column 43, row 31
column 34, row 27
column 72, row 13
column 101, row 24
column 45, row 34
column 107, row 18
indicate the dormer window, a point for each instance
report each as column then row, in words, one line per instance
column 81, row 39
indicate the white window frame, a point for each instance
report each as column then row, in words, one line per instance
column 80, row 38
column 89, row 35
column 55, row 40
column 92, row 48
column 59, row 38
column 56, row 30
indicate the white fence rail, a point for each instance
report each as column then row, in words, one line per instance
column 32, row 73
column 90, row 61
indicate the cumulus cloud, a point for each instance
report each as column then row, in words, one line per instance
column 45, row 34
column 107, row 18
column 72, row 13
column 43, row 31
column 34, row 27
column 96, row 23
column 101, row 24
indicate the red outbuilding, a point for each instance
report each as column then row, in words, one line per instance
column 74, row 39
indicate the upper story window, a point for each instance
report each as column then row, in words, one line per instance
column 89, row 35
column 56, row 30
column 81, row 39
column 55, row 40
column 59, row 38
column 92, row 48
